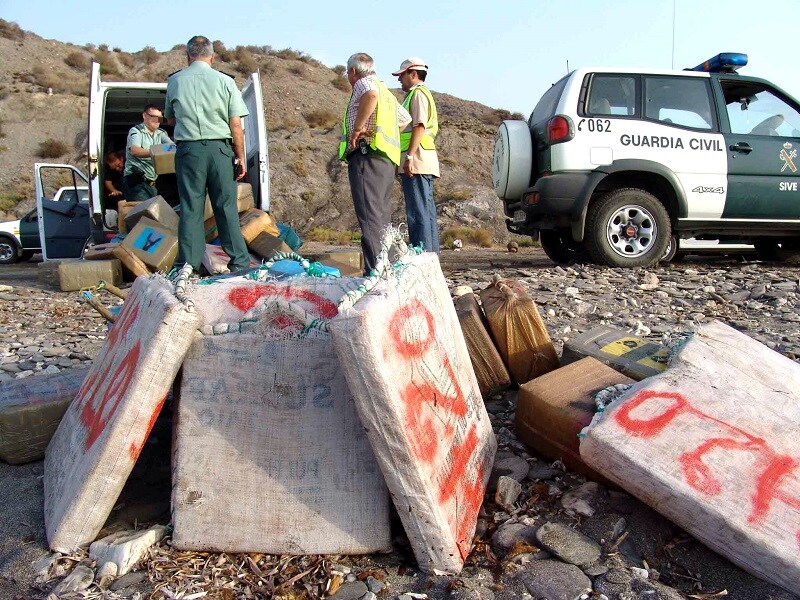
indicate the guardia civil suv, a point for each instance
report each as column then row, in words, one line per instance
column 616, row 164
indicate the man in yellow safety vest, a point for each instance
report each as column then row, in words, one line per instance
column 420, row 163
column 370, row 144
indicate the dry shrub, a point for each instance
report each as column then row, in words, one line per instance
column 340, row 83
column 297, row 70
column 108, row 66
column 340, row 70
column 246, row 63
column 2, row 132
column 149, row 55
column 498, row 115
column 78, row 61
column 453, row 195
column 222, row 52
column 480, row 237
column 307, row 196
column 11, row 31
column 327, row 235
column 298, row 167
column 127, row 60
column 52, row 148
column 323, row 118
column 288, row 54
column 117, row 49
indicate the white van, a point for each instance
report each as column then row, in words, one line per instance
column 114, row 107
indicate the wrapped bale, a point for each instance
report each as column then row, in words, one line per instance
column 102, row 433
column 489, row 367
column 408, row 367
column 156, row 209
column 267, row 431
column 30, row 411
column 711, row 444
column 518, row 330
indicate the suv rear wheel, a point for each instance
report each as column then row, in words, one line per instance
column 559, row 246
column 9, row 253
column 627, row 228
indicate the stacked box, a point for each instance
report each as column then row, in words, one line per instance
column 554, row 408
column 266, row 245
column 156, row 209
column 628, row 354
column 153, row 244
column 254, row 222
column 30, row 411
column 711, row 443
column 518, row 330
column 100, row 251
column 408, row 367
column 267, row 430
column 244, row 200
column 489, row 367
column 104, row 429
column 123, row 208
column 72, row 275
column 163, row 156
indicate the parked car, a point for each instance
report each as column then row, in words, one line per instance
column 19, row 240
column 613, row 164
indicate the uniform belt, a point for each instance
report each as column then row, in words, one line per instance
column 223, row 140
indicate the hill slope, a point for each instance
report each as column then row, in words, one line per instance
column 43, row 96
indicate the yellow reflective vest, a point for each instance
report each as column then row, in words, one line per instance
column 431, row 127
column 387, row 134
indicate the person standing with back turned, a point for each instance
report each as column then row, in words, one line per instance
column 371, row 145
column 419, row 163
column 206, row 108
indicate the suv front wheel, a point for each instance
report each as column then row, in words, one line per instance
column 627, row 228
column 9, row 252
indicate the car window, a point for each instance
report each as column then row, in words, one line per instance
column 684, row 101
column 69, row 195
column 612, row 95
column 754, row 109
column 546, row 107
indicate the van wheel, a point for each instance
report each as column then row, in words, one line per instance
column 9, row 253
column 559, row 247
column 671, row 251
column 778, row 250
column 627, row 228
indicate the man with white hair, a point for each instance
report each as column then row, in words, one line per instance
column 370, row 144
column 420, row 163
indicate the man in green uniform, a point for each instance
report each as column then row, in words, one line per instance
column 139, row 176
column 206, row 108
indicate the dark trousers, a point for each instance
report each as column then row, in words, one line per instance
column 136, row 188
column 200, row 166
column 371, row 178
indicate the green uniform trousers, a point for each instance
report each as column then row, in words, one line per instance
column 208, row 165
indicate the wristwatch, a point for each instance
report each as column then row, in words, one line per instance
column 408, row 157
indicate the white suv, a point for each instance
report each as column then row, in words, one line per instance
column 616, row 164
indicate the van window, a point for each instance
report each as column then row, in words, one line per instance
column 612, row 95
column 755, row 109
column 546, row 107
column 684, row 101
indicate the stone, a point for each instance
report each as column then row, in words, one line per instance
column 80, row 579
column 568, row 544
column 554, row 580
column 510, row 465
column 581, row 500
column 374, row 585
column 129, row 579
column 508, row 490
column 509, row 534
column 622, row 583
column 351, row 590
column 126, row 548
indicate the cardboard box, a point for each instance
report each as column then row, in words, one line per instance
column 244, row 200
column 75, row 274
column 635, row 357
column 254, row 222
column 155, row 245
column 349, row 262
column 155, row 208
column 266, row 245
column 163, row 158
column 123, row 208
column 553, row 409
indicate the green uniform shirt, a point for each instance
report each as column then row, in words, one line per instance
column 139, row 135
column 201, row 100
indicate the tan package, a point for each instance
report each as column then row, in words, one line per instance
column 254, row 222
column 155, row 245
column 157, row 209
column 132, row 263
column 244, row 200
column 489, row 367
column 163, row 158
column 266, row 245
column 518, row 330
column 123, row 208
column 552, row 410
column 100, row 252
column 71, row 275
column 349, row 262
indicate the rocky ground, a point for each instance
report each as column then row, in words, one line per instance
column 562, row 537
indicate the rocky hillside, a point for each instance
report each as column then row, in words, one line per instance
column 43, row 97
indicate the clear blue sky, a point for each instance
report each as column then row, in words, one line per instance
column 504, row 53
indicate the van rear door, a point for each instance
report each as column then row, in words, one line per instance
column 95, row 149
column 64, row 221
column 255, row 141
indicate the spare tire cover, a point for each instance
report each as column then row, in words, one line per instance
column 512, row 160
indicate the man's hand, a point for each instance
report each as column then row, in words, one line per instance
column 240, row 170
column 115, row 193
column 354, row 137
column 407, row 168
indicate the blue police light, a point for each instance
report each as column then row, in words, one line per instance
column 726, row 62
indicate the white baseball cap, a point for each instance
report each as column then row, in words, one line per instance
column 414, row 62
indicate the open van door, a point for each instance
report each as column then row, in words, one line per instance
column 255, row 142
column 95, row 149
column 62, row 208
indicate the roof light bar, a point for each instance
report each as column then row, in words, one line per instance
column 726, row 62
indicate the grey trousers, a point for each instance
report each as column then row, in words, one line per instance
column 371, row 179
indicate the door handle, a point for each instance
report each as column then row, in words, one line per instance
column 741, row 147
